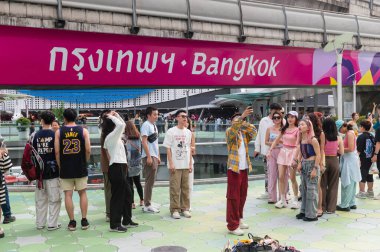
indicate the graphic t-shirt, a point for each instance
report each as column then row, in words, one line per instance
column 43, row 142
column 365, row 145
column 179, row 141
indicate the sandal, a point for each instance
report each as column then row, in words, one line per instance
column 319, row 214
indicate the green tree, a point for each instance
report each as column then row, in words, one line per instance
column 58, row 112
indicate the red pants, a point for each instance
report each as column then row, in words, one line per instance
column 237, row 187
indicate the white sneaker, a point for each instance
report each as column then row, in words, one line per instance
column 370, row 194
column 361, row 195
column 377, row 197
column 107, row 218
column 59, row 225
column 280, row 204
column 175, row 215
column 243, row 225
column 294, row 205
column 237, row 231
column 187, row 214
column 263, row 196
column 150, row 209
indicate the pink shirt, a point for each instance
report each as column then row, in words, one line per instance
column 345, row 141
column 289, row 139
column 331, row 148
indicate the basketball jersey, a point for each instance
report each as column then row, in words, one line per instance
column 72, row 153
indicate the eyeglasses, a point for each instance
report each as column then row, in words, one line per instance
column 276, row 118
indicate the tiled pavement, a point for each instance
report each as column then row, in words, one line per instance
column 205, row 231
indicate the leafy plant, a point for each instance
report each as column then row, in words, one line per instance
column 58, row 112
column 22, row 123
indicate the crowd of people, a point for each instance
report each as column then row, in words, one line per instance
column 126, row 151
column 322, row 151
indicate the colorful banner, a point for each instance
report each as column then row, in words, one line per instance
column 47, row 57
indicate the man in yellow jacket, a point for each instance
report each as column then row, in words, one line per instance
column 238, row 137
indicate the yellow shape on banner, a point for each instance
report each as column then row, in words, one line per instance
column 332, row 81
column 367, row 79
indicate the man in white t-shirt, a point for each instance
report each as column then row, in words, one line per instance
column 260, row 146
column 178, row 145
column 150, row 156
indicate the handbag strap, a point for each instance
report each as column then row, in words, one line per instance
column 134, row 145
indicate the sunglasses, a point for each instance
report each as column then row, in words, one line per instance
column 276, row 118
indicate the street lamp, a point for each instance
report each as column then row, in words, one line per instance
column 337, row 45
column 354, row 91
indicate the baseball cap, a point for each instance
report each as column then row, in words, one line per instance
column 293, row 113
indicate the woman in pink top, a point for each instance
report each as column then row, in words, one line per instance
column 332, row 145
column 270, row 136
column 289, row 135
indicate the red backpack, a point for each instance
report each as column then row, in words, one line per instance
column 31, row 161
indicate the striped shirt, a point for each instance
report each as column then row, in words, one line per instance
column 5, row 165
column 248, row 132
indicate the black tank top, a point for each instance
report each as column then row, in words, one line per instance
column 43, row 142
column 72, row 153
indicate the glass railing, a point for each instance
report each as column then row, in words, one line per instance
column 205, row 132
column 210, row 162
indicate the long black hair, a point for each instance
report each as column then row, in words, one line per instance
column 330, row 129
column 107, row 126
column 283, row 129
column 317, row 125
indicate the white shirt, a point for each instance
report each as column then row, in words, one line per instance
column 148, row 129
column 242, row 154
column 179, row 142
column 260, row 145
column 113, row 143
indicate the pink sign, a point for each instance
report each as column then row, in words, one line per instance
column 46, row 57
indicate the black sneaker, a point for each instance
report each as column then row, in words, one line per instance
column 344, row 209
column 72, row 225
column 353, row 207
column 310, row 219
column 131, row 224
column 9, row 219
column 119, row 229
column 300, row 216
column 84, row 223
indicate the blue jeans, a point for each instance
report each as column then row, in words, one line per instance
column 7, row 206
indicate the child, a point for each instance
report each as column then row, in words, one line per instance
column 365, row 147
column 310, row 154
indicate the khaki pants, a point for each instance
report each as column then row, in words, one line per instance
column 179, row 190
column 150, row 177
column 48, row 198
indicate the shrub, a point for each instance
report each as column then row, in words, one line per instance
column 22, row 123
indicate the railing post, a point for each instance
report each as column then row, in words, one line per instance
column 134, row 28
column 189, row 31
column 242, row 37
column 286, row 40
column 60, row 22
column 324, row 40
column 358, row 45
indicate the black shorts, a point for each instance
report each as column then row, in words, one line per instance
column 365, row 165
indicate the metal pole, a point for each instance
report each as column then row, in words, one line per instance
column 187, row 101
column 354, row 96
column 339, row 84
